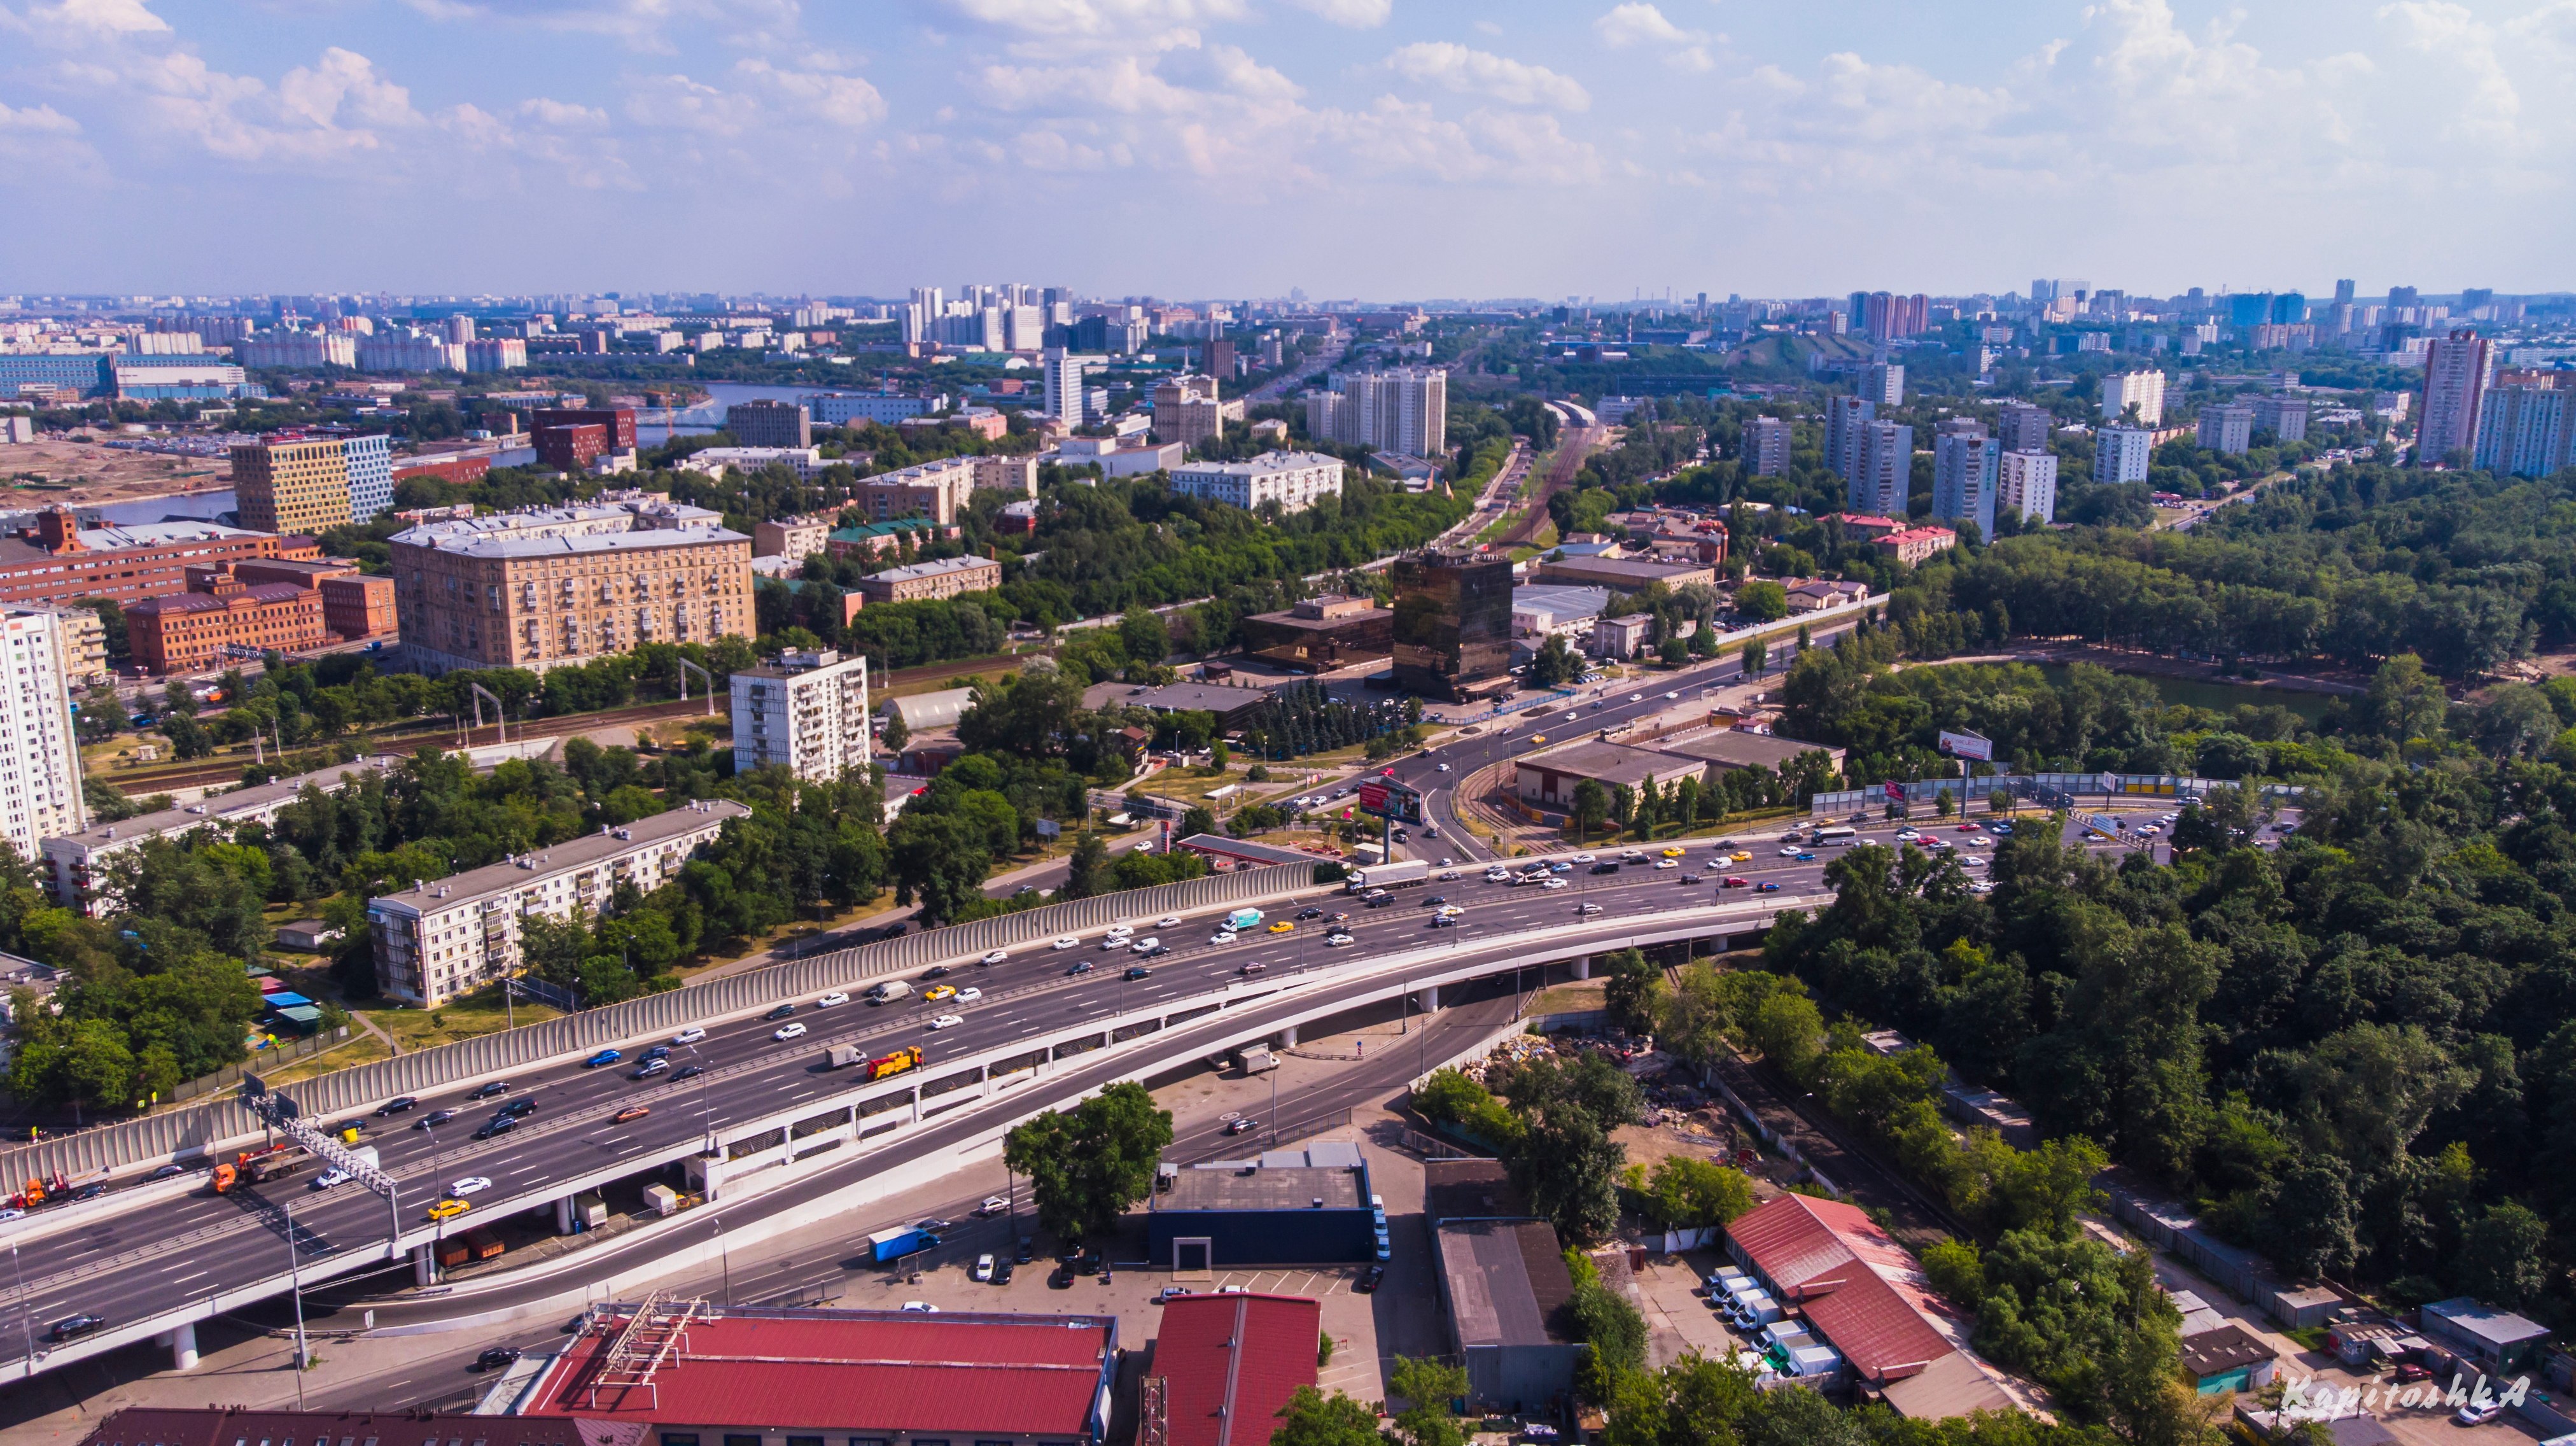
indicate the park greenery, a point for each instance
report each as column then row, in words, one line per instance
column 1085, row 1166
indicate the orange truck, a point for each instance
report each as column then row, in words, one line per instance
column 908, row 1057
column 258, row 1167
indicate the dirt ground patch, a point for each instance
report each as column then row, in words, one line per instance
column 80, row 471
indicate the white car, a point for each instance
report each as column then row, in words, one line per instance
column 993, row 1205
column 1120, row 931
column 1498, row 876
column 1587, row 908
column 1553, row 884
column 1668, row 863
column 1636, row 697
column 1670, row 696
column 947, row 1021
column 984, row 1267
column 828, row 1000
column 1442, row 767
column 998, row 956
column 1146, row 945
column 1789, row 852
column 789, row 1031
column 920, row 1307
column 1907, row 834
column 1069, row 941
column 1168, row 921
column 470, row 1185
column 1336, row 941
column 1221, row 936
column 690, row 1035
column 969, row 994
column 1971, row 861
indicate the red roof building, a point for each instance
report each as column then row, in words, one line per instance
column 232, row 1425
column 1862, row 1294
column 1914, row 544
column 1863, row 527
column 1227, row 1364
column 682, row 1367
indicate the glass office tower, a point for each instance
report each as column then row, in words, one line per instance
column 1453, row 624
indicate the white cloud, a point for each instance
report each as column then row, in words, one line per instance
column 1353, row 14
column 1456, row 68
column 842, row 100
column 2449, row 33
column 101, row 17
column 563, row 115
column 1640, row 23
column 1097, row 20
column 37, row 120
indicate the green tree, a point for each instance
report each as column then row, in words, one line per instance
column 1631, row 992
column 2001, row 800
column 1087, row 1165
column 1591, row 808
column 1789, row 1031
column 1763, row 601
column 1757, row 657
column 1687, row 1193
column 939, row 859
column 1427, row 1387
column 1087, row 873
column 897, row 735
column 2504, row 1256
column 1196, row 821
column 1312, row 1418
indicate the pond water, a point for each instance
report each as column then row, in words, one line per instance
column 708, row 416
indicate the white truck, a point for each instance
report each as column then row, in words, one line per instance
column 1256, row 1059
column 890, row 991
column 1401, row 874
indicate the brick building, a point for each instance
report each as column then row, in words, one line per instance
column 55, row 560
column 619, row 422
column 354, row 604
column 571, row 447
column 219, row 611
column 947, row 577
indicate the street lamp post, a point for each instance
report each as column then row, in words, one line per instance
column 295, row 1287
column 27, row 1327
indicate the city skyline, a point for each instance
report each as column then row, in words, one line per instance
column 1598, row 151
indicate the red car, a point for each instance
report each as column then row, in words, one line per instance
column 1732, row 882
column 1967, row 828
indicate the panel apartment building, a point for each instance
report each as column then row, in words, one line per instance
column 451, row 936
column 40, row 775
column 807, row 713
column 544, row 587
column 1402, row 409
column 74, row 864
column 1292, row 479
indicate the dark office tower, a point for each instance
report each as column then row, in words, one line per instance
column 2343, row 291
column 2405, row 296
column 1453, row 624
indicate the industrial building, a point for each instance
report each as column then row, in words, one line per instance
column 1504, row 1287
column 1225, row 1366
column 679, row 1371
column 1300, row 1206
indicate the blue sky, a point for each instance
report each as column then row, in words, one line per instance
column 1377, row 148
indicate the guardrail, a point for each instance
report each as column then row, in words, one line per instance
column 178, row 1133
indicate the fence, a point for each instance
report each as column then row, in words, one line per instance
column 267, row 1059
column 204, row 1127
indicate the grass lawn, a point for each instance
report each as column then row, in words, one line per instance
column 476, row 1014
column 1572, row 998
column 359, row 1048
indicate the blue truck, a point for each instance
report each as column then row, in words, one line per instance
column 899, row 1242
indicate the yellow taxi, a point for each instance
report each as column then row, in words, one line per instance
column 448, row 1210
column 1739, row 857
column 939, row 992
column 1672, row 853
column 1283, row 926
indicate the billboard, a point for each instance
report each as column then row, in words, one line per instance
column 1385, row 797
column 1896, row 793
column 1967, row 745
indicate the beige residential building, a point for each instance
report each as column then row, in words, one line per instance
column 296, row 487
column 549, row 586
column 1187, row 410
column 938, row 489
column 451, row 936
column 81, row 639
column 947, row 577
column 793, row 537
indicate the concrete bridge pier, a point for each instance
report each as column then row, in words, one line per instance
column 182, row 1342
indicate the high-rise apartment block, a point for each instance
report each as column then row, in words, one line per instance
column 544, row 587
column 1965, row 467
column 2455, row 381
column 767, row 422
column 1844, row 419
column 1882, row 469
column 1403, row 409
column 2021, row 427
column 2121, row 454
column 1453, row 624
column 2228, row 428
column 2026, row 482
column 301, row 485
column 806, row 713
column 2144, row 390
column 1766, row 446
column 451, row 936
column 40, row 773
column 1064, row 371
column 2526, row 431
column 1884, row 384
column 2286, row 418
column 1187, row 410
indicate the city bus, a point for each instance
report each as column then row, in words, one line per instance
column 1837, row 834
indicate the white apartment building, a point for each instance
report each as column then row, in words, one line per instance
column 1766, row 446
column 2145, row 389
column 40, row 775
column 1964, row 478
column 2026, row 483
column 451, row 936
column 2120, row 454
column 1064, row 372
column 1403, row 409
column 74, row 864
column 807, row 713
column 1292, row 479
column 806, row 462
